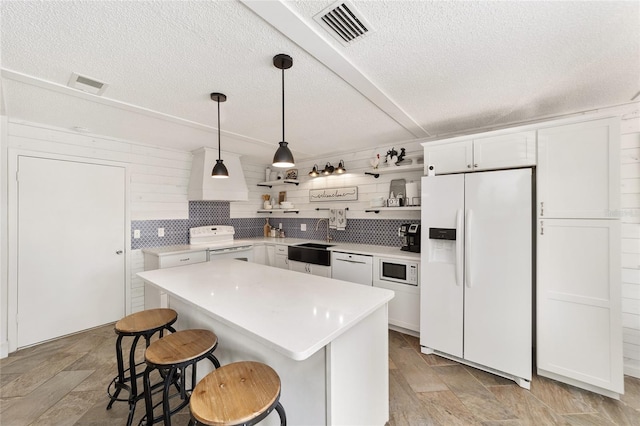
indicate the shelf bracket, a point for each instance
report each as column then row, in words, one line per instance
column 268, row 186
column 375, row 175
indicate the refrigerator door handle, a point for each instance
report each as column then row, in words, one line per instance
column 459, row 246
column 467, row 246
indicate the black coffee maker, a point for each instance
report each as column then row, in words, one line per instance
column 410, row 233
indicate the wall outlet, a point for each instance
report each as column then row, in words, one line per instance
column 160, row 232
column 303, row 226
column 136, row 233
column 280, row 225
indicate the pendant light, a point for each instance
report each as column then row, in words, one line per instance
column 219, row 170
column 283, row 156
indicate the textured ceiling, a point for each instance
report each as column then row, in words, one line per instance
column 428, row 69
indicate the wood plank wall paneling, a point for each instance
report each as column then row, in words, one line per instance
column 630, row 232
column 159, row 177
column 356, row 164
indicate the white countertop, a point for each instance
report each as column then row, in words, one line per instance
column 367, row 249
column 296, row 314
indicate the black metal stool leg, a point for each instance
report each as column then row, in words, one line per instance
column 148, row 402
column 120, row 379
column 281, row 413
column 166, row 408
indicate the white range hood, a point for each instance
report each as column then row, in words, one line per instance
column 203, row 187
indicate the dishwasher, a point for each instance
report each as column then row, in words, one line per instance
column 355, row 268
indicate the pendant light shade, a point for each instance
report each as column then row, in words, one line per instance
column 219, row 170
column 314, row 172
column 340, row 169
column 283, row 156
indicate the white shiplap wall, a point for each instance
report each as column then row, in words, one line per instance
column 630, row 217
column 159, row 177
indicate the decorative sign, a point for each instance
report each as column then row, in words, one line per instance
column 334, row 194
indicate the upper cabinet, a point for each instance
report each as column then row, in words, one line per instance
column 481, row 153
column 578, row 170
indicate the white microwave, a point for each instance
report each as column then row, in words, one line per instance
column 397, row 271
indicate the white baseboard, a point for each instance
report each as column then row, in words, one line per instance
column 632, row 370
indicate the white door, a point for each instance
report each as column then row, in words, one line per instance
column 580, row 330
column 441, row 277
column 71, row 243
column 498, row 270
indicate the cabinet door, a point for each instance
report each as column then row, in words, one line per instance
column 578, row 170
column 579, row 303
column 451, row 157
column 299, row 266
column 260, row 254
column 320, row 270
column 281, row 261
column 505, row 151
column 270, row 252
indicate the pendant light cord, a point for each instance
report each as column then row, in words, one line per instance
column 219, row 154
column 283, row 105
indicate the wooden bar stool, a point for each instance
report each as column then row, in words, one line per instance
column 140, row 324
column 172, row 355
column 241, row 393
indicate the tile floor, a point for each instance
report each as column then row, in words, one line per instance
column 63, row 383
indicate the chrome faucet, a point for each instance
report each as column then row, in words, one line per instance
column 318, row 224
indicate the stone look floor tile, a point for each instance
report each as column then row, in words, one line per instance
column 424, row 390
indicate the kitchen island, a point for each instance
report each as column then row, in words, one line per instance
column 327, row 339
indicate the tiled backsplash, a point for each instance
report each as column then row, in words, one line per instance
column 201, row 213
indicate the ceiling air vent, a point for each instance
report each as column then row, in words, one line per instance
column 86, row 84
column 343, row 21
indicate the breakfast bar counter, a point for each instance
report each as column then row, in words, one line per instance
column 327, row 339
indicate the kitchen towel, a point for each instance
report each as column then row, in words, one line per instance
column 338, row 219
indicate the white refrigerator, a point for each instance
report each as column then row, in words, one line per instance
column 476, row 270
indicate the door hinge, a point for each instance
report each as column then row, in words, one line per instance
column 541, row 208
column 541, row 228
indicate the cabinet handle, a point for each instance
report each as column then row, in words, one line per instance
column 475, row 165
column 119, row 252
column 541, row 208
column 468, row 166
column 184, row 260
column 541, row 228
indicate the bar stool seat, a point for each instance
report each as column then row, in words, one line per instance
column 172, row 355
column 142, row 324
column 241, row 393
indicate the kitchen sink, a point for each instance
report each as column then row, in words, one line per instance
column 315, row 253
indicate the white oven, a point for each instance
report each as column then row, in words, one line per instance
column 237, row 252
column 403, row 277
column 220, row 243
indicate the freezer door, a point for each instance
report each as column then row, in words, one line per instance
column 498, row 270
column 441, row 292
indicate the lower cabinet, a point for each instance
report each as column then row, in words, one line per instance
column 579, row 329
column 310, row 268
column 280, row 256
column 152, row 296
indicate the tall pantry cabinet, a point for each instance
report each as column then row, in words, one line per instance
column 579, row 329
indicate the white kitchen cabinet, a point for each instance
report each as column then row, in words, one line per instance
column 260, row 254
column 579, row 320
column 481, row 152
column 579, row 330
column 578, row 170
column 310, row 268
column 270, row 255
column 448, row 157
column 281, row 256
column 153, row 298
column 153, row 261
